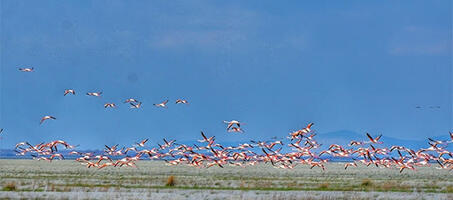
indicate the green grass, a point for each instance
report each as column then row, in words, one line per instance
column 60, row 176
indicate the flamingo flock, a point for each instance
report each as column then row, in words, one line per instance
column 301, row 149
column 298, row 148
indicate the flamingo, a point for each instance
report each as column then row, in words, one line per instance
column 350, row 164
column 26, row 69
column 59, row 155
column 163, row 104
column 181, row 101
column 232, row 122
column 307, row 129
column 46, row 118
column 205, row 139
column 142, row 143
column 355, row 143
column 374, row 140
column 111, row 105
column 130, row 149
column 69, row 91
column 106, row 164
column 95, row 94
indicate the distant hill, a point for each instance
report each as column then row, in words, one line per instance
column 343, row 137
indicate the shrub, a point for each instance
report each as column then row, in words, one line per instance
column 323, row 186
column 10, row 187
column 170, row 181
column 366, row 182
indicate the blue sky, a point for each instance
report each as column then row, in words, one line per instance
column 359, row 66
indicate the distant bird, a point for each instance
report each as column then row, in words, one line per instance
column 59, row 155
column 432, row 107
column 138, row 105
column 96, row 94
column 355, row 143
column 182, row 101
column 205, row 139
column 374, row 140
column 111, row 105
column 163, row 104
column 232, row 122
column 69, row 91
column 1, row 130
column 26, row 69
column 350, row 164
column 142, row 143
column 46, row 118
column 131, row 100
column 308, row 128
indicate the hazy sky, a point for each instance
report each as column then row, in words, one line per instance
column 349, row 65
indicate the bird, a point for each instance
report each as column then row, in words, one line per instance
column 350, row 164
column 181, row 101
column 26, row 69
column 111, row 105
column 96, row 94
column 105, row 165
column 69, row 91
column 59, row 155
column 163, row 104
column 46, row 118
column 308, row 128
column 205, row 139
column 232, row 122
column 1, row 130
column 355, row 143
column 374, row 140
column 142, row 143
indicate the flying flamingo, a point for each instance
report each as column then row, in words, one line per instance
column 182, row 101
column 163, row 104
column 46, row 118
column 374, row 140
column 95, row 94
column 69, row 91
column 142, row 143
column 26, row 69
column 111, row 105
column 232, row 122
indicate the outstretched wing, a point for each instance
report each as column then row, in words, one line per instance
column 369, row 136
column 204, row 136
